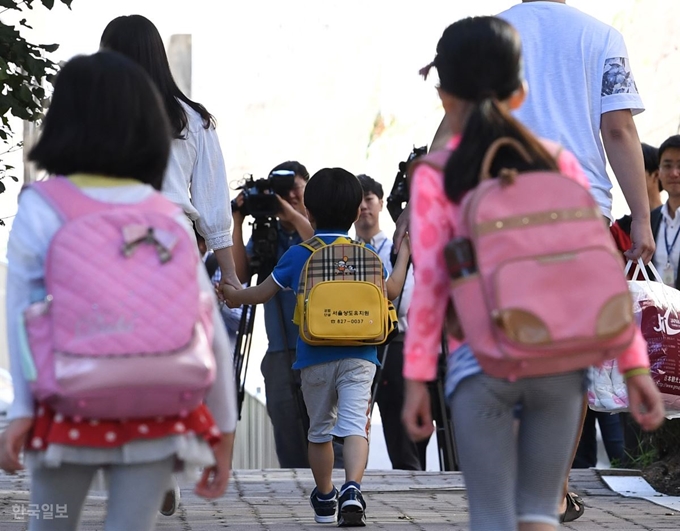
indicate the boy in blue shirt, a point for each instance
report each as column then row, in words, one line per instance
column 336, row 381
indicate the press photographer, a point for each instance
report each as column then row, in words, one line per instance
column 279, row 222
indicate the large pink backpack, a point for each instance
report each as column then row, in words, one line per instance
column 549, row 295
column 123, row 331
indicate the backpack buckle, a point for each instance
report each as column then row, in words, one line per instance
column 162, row 241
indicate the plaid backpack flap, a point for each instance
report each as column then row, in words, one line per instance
column 342, row 297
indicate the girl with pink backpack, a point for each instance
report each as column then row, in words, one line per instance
column 118, row 355
column 515, row 399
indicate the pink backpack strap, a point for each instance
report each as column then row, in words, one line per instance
column 70, row 202
column 66, row 198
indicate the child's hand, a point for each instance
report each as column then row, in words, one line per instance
column 645, row 402
column 228, row 292
column 12, row 441
column 416, row 414
column 214, row 480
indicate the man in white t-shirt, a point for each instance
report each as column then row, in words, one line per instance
column 580, row 87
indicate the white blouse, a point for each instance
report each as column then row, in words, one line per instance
column 196, row 180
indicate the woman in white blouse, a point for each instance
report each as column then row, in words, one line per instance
column 196, row 177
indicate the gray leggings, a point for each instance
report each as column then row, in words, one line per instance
column 135, row 494
column 516, row 475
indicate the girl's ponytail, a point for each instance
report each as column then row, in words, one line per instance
column 488, row 122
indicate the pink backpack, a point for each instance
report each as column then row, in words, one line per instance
column 123, row 331
column 549, row 295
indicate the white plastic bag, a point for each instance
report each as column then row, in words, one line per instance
column 657, row 311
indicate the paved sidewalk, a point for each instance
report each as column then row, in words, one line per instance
column 277, row 500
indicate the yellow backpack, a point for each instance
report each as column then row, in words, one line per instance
column 342, row 296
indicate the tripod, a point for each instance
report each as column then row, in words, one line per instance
column 265, row 248
column 265, row 240
column 446, row 443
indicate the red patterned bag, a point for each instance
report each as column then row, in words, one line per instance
column 657, row 310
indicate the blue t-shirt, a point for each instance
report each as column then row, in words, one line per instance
column 278, row 312
column 287, row 275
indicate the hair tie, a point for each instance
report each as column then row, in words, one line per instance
column 486, row 95
column 425, row 71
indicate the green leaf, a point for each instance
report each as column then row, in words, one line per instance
column 21, row 112
column 15, row 179
column 49, row 47
column 49, row 4
column 9, row 4
column 2, row 189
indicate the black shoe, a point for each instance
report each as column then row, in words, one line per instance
column 324, row 510
column 351, row 508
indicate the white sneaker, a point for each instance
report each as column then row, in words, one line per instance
column 171, row 500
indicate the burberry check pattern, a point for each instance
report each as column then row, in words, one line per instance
column 344, row 260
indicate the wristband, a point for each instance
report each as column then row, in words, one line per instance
column 635, row 372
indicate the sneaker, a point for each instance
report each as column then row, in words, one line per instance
column 324, row 510
column 351, row 508
column 170, row 501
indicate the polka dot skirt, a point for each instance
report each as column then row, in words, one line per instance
column 55, row 428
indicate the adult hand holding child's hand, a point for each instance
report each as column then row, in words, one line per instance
column 227, row 294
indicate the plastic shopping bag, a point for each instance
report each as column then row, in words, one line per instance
column 657, row 312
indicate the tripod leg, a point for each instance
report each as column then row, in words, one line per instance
column 446, row 444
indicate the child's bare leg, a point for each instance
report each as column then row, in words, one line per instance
column 321, row 462
column 355, row 453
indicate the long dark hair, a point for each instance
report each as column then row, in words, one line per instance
column 479, row 60
column 106, row 117
column 136, row 37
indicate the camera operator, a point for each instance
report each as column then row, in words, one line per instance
column 288, row 227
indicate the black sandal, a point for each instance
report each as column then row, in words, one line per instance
column 575, row 508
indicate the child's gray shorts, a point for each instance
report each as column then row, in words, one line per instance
column 338, row 395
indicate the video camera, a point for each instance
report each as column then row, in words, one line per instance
column 399, row 195
column 259, row 196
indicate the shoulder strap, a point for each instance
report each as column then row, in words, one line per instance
column 70, row 202
column 66, row 198
column 313, row 244
column 316, row 243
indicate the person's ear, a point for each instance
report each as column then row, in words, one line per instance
column 358, row 214
column 517, row 98
column 380, row 201
column 446, row 98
